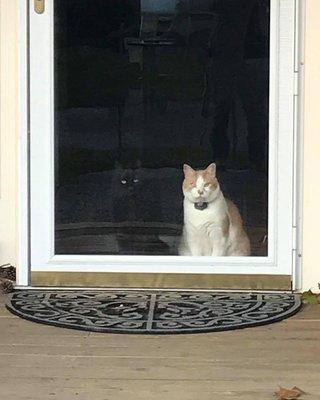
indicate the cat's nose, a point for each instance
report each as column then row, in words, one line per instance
column 200, row 192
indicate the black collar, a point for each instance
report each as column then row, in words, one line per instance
column 201, row 205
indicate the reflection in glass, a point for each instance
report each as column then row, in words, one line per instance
column 141, row 88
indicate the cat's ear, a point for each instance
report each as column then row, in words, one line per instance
column 117, row 165
column 212, row 169
column 187, row 169
column 137, row 163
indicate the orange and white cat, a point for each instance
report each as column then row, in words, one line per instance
column 212, row 223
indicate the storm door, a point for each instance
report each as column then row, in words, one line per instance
column 131, row 97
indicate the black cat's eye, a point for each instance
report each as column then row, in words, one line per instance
column 135, row 180
column 123, row 181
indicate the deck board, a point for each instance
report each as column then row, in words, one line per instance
column 44, row 362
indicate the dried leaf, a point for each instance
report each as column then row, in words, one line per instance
column 288, row 394
column 299, row 390
column 6, row 286
column 309, row 297
column 7, row 271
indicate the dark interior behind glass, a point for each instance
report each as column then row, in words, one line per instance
column 142, row 87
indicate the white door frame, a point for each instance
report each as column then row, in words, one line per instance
column 283, row 84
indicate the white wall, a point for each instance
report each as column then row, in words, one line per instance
column 8, row 130
column 311, row 172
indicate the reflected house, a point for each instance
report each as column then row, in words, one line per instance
column 143, row 87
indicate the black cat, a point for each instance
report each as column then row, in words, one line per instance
column 136, row 209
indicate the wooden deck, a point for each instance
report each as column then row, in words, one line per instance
column 39, row 362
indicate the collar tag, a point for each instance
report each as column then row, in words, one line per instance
column 200, row 206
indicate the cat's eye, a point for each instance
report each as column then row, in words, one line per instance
column 123, row 181
column 136, row 180
column 207, row 184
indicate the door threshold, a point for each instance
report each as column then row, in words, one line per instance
column 110, row 289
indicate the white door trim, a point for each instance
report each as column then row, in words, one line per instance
column 300, row 24
column 23, row 225
column 283, row 50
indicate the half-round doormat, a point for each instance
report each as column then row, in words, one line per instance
column 152, row 312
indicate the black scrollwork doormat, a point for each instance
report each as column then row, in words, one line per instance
column 152, row 312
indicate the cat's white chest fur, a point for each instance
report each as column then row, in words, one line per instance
column 203, row 229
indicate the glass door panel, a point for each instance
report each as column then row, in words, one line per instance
column 141, row 88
